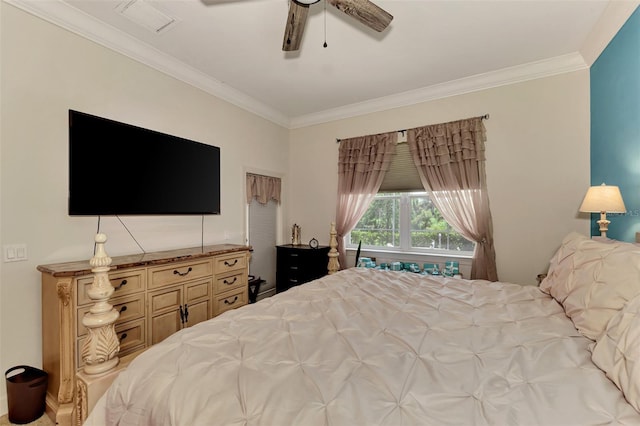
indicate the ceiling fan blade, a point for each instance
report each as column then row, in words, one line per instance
column 295, row 26
column 366, row 12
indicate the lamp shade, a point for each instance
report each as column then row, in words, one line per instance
column 603, row 198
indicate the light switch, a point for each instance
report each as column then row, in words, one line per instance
column 21, row 253
column 15, row 252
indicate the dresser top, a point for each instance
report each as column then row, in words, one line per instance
column 302, row 247
column 70, row 269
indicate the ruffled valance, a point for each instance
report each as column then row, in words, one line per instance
column 263, row 188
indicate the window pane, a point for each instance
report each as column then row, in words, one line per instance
column 380, row 225
column 430, row 230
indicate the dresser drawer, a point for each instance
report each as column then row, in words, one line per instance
column 295, row 258
column 230, row 262
column 130, row 307
column 231, row 300
column 165, row 300
column 231, row 282
column 123, row 282
column 179, row 273
column 131, row 334
column 197, row 291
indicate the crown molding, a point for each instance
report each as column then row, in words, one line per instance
column 530, row 71
column 613, row 18
column 68, row 17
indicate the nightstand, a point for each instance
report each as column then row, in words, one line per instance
column 298, row 264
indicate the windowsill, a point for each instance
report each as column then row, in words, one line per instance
column 388, row 256
column 441, row 254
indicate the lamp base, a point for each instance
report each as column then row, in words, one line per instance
column 604, row 224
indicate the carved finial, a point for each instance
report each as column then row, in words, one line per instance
column 100, row 349
column 334, row 264
column 100, row 258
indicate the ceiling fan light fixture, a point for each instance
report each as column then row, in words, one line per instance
column 306, row 2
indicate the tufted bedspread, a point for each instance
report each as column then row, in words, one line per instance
column 370, row 347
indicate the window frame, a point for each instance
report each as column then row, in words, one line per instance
column 405, row 231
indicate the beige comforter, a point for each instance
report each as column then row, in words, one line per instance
column 369, row 347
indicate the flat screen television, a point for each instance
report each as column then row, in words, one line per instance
column 121, row 169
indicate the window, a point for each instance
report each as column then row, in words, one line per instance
column 407, row 221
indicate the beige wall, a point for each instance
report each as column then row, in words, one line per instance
column 45, row 72
column 537, row 164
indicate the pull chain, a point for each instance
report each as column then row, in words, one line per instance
column 325, row 24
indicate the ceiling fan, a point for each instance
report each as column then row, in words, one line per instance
column 364, row 11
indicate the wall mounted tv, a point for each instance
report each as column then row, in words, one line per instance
column 120, row 169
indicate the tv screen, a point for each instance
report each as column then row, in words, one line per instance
column 120, row 169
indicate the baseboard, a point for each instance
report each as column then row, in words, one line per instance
column 266, row 294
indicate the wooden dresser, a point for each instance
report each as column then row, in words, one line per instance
column 156, row 295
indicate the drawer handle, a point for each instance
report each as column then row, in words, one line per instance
column 184, row 314
column 231, row 264
column 226, row 301
column 124, row 336
column 123, row 282
column 182, row 274
column 231, row 282
column 124, row 308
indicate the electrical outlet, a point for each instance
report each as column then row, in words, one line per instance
column 15, row 252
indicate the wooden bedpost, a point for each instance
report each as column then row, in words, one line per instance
column 334, row 264
column 100, row 350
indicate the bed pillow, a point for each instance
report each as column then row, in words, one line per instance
column 559, row 279
column 595, row 280
column 617, row 352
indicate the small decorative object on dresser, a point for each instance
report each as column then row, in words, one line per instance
column 298, row 264
column 313, row 243
column 295, row 234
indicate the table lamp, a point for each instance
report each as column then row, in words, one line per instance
column 603, row 198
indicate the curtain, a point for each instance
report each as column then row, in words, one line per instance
column 263, row 188
column 451, row 164
column 362, row 163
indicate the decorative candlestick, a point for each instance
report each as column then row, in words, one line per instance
column 295, row 234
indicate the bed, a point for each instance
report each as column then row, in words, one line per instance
column 375, row 347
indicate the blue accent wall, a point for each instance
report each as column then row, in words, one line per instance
column 615, row 126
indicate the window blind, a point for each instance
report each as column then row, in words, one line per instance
column 402, row 175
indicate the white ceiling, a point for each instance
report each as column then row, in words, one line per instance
column 232, row 48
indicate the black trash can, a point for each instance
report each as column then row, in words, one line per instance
column 26, row 392
column 254, row 288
